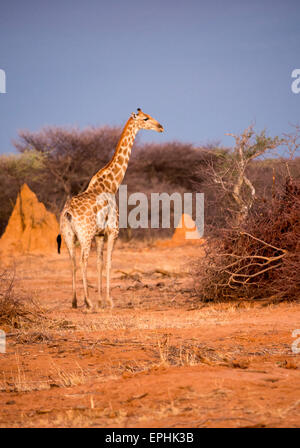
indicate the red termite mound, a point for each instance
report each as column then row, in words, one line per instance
column 31, row 228
column 185, row 233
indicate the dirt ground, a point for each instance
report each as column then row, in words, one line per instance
column 160, row 358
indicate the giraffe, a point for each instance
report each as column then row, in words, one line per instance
column 93, row 213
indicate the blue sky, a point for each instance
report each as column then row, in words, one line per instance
column 201, row 68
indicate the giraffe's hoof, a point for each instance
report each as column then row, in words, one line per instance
column 74, row 304
column 88, row 304
column 89, row 310
column 98, row 309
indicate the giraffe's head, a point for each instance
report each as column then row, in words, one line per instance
column 145, row 121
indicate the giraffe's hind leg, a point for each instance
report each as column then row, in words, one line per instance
column 85, row 250
column 100, row 244
column 73, row 259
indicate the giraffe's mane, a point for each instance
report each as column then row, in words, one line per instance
column 117, row 148
column 102, row 170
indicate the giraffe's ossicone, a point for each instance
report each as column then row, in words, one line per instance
column 94, row 214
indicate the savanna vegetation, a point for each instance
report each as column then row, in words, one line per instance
column 245, row 194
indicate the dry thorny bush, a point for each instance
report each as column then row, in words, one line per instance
column 23, row 316
column 258, row 260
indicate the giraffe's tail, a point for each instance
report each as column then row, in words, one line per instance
column 58, row 240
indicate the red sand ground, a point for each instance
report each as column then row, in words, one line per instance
column 158, row 359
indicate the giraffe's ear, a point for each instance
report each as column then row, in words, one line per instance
column 133, row 115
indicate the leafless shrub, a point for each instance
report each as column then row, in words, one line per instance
column 227, row 175
column 258, row 260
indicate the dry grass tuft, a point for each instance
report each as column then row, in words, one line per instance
column 16, row 311
column 22, row 316
column 68, row 378
column 191, row 354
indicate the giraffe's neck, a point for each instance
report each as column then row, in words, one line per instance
column 109, row 178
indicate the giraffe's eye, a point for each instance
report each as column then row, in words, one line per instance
column 145, row 119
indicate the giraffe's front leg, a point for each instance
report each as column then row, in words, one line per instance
column 100, row 244
column 110, row 245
